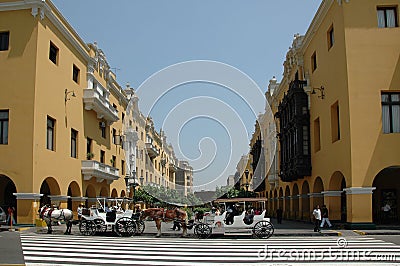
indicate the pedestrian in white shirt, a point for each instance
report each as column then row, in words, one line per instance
column 317, row 218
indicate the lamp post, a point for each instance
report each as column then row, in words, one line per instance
column 131, row 182
column 247, row 182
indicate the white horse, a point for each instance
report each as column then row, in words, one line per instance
column 49, row 214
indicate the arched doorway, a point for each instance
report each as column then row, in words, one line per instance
column 90, row 195
column 305, row 201
column 386, row 193
column 48, row 188
column 318, row 188
column 286, row 213
column 280, row 205
column 104, row 192
column 7, row 198
column 295, row 198
column 337, row 204
column 114, row 193
column 73, row 191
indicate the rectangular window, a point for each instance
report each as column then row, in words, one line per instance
column 317, row 135
column 314, row 61
column 387, row 17
column 390, row 112
column 331, row 38
column 75, row 73
column 4, row 40
column 74, row 139
column 122, row 167
column 53, row 54
column 113, row 161
column 89, row 153
column 4, row 126
column 102, row 126
column 102, row 156
column 114, row 136
column 335, row 122
column 51, row 123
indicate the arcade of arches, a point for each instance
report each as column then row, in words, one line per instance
column 346, row 205
column 28, row 204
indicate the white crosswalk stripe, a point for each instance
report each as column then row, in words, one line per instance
column 40, row 249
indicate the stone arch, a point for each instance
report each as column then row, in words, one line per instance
column 90, row 195
column 387, row 192
column 337, row 203
column 123, row 193
column 286, row 211
column 280, row 195
column 7, row 190
column 114, row 193
column 73, row 191
column 318, row 188
column 305, row 201
column 270, row 203
column 295, row 198
column 103, row 192
column 49, row 188
column 275, row 201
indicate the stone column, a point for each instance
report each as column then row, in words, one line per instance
column 315, row 199
column 359, row 207
column 27, row 207
column 332, row 201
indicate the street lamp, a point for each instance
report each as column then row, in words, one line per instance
column 131, row 182
column 247, row 180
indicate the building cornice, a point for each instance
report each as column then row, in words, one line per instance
column 317, row 20
column 45, row 8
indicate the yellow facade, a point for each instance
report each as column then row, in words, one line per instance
column 57, row 91
column 354, row 163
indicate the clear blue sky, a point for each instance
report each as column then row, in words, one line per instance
column 141, row 38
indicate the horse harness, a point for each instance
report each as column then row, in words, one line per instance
column 164, row 218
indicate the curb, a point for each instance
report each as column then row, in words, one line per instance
column 362, row 233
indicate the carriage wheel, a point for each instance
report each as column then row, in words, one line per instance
column 263, row 229
column 87, row 228
column 202, row 230
column 125, row 226
column 100, row 226
column 140, row 226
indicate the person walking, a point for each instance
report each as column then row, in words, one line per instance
column 317, row 218
column 325, row 216
column 10, row 216
column 79, row 211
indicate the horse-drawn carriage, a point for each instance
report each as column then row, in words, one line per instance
column 246, row 223
column 100, row 219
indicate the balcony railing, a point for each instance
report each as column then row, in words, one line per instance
column 100, row 171
column 151, row 150
column 97, row 101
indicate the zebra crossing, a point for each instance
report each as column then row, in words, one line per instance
column 40, row 249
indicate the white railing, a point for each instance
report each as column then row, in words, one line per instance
column 100, row 171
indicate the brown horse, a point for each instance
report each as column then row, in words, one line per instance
column 164, row 215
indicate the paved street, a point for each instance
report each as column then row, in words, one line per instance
column 293, row 242
column 100, row 250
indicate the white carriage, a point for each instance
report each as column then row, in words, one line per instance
column 256, row 225
column 100, row 219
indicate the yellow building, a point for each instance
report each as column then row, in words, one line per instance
column 338, row 120
column 64, row 120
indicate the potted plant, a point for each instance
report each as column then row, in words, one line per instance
column 89, row 155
